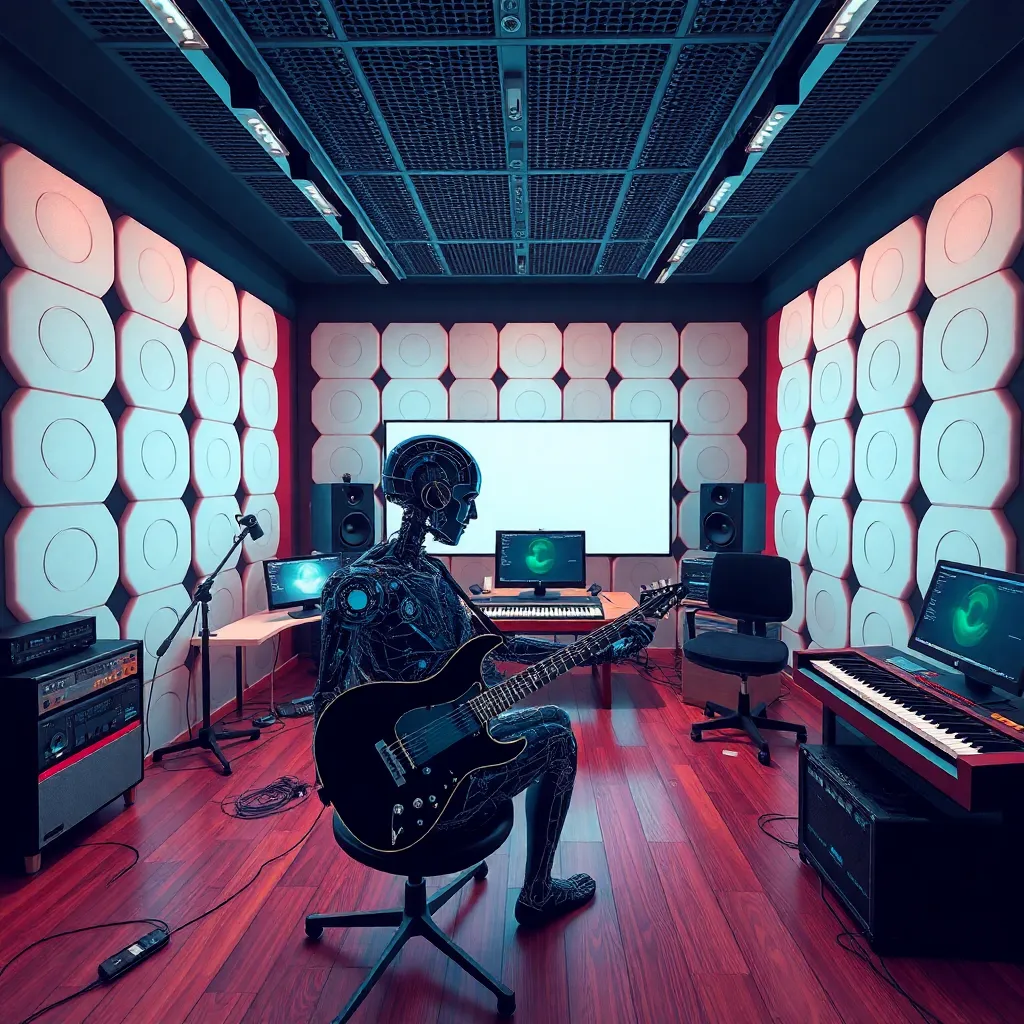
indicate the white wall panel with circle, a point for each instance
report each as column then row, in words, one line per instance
column 885, row 547
column 794, row 395
column 892, row 273
column 257, row 330
column 835, row 305
column 470, row 569
column 974, row 337
column 587, row 350
column 149, row 274
column 59, row 559
column 970, row 450
column 828, row 610
column 346, row 406
column 254, row 588
column 337, row 454
column 268, row 514
column 713, row 405
column 149, row 618
column 586, row 398
column 152, row 364
column 51, row 224
column 530, row 350
column 798, row 619
column 473, row 350
column 833, row 382
column 226, row 603
column 794, row 641
column 829, row 533
column 689, row 520
column 710, row 458
column 153, row 454
column 885, row 460
column 345, row 350
column 409, row 399
column 792, row 454
column 472, row 399
column 889, row 364
column 156, row 545
column 258, row 389
column 214, row 387
column 55, row 337
column 107, row 627
column 645, row 350
column 58, row 449
column 877, row 620
column 216, row 458
column 830, row 460
column 212, row 306
column 791, row 527
column 795, row 327
column 259, row 661
column 222, row 682
column 974, row 536
column 414, row 350
column 630, row 573
column 214, row 527
column 713, row 350
column 530, row 400
column 976, row 228
column 638, row 398
column 166, row 709
column 261, row 461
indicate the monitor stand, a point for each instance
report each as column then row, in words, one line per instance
column 307, row 611
column 540, row 591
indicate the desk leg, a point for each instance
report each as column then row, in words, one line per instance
column 603, row 674
column 238, row 679
column 828, row 727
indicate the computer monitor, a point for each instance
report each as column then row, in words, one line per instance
column 298, row 582
column 540, row 559
column 972, row 619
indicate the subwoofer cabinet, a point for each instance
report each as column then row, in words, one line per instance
column 732, row 517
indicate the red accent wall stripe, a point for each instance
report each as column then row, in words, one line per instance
column 285, row 433
column 770, row 434
column 123, row 731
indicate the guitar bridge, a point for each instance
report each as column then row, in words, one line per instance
column 391, row 762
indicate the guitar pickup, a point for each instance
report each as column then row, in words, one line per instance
column 391, row 762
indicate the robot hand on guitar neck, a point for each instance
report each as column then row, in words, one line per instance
column 396, row 616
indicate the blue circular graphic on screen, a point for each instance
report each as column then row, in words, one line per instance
column 309, row 579
column 358, row 600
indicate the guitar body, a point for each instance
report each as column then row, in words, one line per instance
column 373, row 748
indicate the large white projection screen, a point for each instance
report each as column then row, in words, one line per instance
column 611, row 479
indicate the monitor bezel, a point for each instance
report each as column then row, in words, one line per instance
column 971, row 672
column 500, row 582
column 271, row 606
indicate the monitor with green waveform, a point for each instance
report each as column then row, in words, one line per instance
column 540, row 559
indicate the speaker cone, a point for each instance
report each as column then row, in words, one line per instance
column 720, row 495
column 356, row 530
column 719, row 529
column 354, row 494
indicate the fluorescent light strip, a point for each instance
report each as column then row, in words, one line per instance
column 721, row 194
column 265, row 135
column 682, row 249
column 316, row 197
column 360, row 253
column 664, row 275
column 770, row 128
column 847, row 21
column 175, row 24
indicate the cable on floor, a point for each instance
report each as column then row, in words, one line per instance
column 124, row 846
column 764, row 820
column 283, row 794
column 60, row 1002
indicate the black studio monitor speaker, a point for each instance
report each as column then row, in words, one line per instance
column 732, row 517
column 342, row 517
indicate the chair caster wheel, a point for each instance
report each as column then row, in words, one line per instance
column 506, row 1006
column 801, row 736
column 481, row 872
column 695, row 734
column 314, row 931
column 764, row 756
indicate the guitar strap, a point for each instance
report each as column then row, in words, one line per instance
column 481, row 620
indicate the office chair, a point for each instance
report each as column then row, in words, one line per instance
column 441, row 853
column 754, row 590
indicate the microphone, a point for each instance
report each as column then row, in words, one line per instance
column 249, row 523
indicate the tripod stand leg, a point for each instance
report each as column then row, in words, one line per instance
column 211, row 744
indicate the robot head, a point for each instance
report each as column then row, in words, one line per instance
column 437, row 478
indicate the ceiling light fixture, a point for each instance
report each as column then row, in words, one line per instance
column 770, row 128
column 265, row 135
column 682, row 249
column 360, row 253
column 721, row 194
column 850, row 18
column 175, row 24
column 663, row 276
column 316, row 197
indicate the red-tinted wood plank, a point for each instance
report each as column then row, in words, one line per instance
column 533, row 966
column 341, row 985
column 221, row 1008
column 657, row 810
column 731, row 999
column 291, row 996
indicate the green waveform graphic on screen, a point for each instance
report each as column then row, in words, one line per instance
column 973, row 619
column 540, row 556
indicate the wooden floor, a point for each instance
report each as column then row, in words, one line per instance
column 698, row 916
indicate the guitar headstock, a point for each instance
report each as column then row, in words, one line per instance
column 658, row 599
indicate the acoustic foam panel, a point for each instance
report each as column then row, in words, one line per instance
column 710, row 459
column 58, row 449
column 585, row 398
column 974, row 337
column 529, row 400
column 879, row 620
column 216, row 458
column 971, row 535
column 166, row 708
column 835, row 305
column 414, row 350
column 214, row 388
column 156, row 545
column 149, row 274
column 833, row 382
column 830, row 459
column 260, row 461
column 795, row 328
column 713, row 350
column 472, row 399
column 345, row 406
column 791, row 527
column 645, row 350
column 337, row 454
column 212, row 306
column 892, row 273
column 268, row 514
column 889, row 364
column 970, row 450
column 214, row 526
column 792, row 454
column 713, row 405
column 107, row 627
column 794, row 641
column 52, row 225
column 225, row 599
column 976, row 228
column 885, row 459
column 645, row 399
column 152, row 364
column 530, row 350
column 150, row 618
column 258, row 393
column 153, row 454
column 259, row 661
column 473, row 350
column 409, row 399
column 587, row 350
column 885, row 547
column 60, row 559
column 798, row 619
column 345, row 350
column 629, row 574
column 55, row 337
column 794, row 395
column 828, row 610
column 471, row 569
column 257, row 330
column 829, row 529
column 689, row 520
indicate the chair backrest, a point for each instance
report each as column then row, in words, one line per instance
column 754, row 588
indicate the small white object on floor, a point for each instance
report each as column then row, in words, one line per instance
column 731, row 753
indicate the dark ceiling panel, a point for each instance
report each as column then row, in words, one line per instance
column 282, row 196
column 563, row 258
column 466, row 205
column 572, row 205
column 906, row 16
column 417, row 258
column 587, row 104
column 274, row 19
column 481, row 259
column 739, row 17
column 392, row 19
column 650, row 200
column 729, row 227
column 758, row 192
column 119, row 19
column 605, row 17
column 317, row 230
column 623, row 258
column 340, row 259
column 389, row 206
column 705, row 257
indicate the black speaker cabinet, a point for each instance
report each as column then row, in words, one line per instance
column 732, row 517
column 342, row 517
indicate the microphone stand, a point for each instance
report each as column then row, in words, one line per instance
column 207, row 737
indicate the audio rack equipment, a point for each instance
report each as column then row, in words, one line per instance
column 42, row 640
column 696, row 574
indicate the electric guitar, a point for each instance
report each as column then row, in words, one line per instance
column 390, row 755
